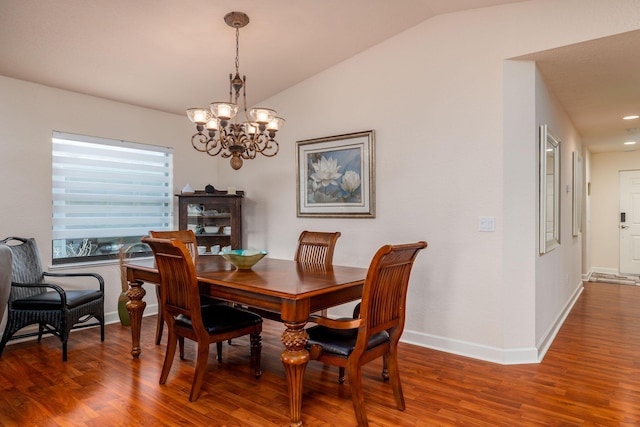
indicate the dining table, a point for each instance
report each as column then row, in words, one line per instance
column 279, row 289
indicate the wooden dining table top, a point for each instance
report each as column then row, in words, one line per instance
column 271, row 284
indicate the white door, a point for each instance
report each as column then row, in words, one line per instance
column 629, row 222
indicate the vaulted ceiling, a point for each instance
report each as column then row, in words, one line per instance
column 171, row 55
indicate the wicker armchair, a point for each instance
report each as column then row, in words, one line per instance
column 350, row 343
column 54, row 309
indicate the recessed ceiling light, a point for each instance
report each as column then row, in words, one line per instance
column 630, row 143
column 630, row 117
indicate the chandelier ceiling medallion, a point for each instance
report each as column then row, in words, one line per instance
column 227, row 137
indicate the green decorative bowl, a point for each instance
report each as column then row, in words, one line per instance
column 243, row 259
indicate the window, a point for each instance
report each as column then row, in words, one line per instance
column 107, row 194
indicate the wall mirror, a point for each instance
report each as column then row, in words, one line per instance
column 549, row 190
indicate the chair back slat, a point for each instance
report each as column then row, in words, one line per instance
column 188, row 237
column 315, row 247
column 178, row 281
column 26, row 267
column 385, row 289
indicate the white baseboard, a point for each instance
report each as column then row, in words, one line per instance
column 473, row 350
column 603, row 270
column 547, row 339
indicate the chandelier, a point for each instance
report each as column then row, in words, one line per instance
column 224, row 135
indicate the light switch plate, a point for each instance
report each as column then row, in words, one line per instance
column 486, row 223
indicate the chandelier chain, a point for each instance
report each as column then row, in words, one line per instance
column 237, row 50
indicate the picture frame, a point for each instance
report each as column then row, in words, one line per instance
column 577, row 192
column 335, row 176
column 549, row 191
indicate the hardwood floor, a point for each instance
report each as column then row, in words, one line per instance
column 589, row 377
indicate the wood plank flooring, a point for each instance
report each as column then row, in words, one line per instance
column 589, row 377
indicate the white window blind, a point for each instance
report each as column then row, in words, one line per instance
column 105, row 190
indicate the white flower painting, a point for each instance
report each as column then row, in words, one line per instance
column 335, row 176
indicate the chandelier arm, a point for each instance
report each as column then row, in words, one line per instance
column 268, row 146
column 200, row 139
column 225, row 141
column 214, row 149
column 254, row 145
column 249, row 152
column 257, row 144
column 262, row 144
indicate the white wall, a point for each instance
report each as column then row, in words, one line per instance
column 519, row 272
column 435, row 96
column 605, row 207
column 558, row 272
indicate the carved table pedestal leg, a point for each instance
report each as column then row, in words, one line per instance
column 295, row 358
column 135, row 307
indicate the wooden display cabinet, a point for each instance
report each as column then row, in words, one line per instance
column 215, row 218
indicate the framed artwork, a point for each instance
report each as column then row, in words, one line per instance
column 336, row 176
column 577, row 192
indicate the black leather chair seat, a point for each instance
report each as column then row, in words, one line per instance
column 51, row 300
column 219, row 318
column 341, row 341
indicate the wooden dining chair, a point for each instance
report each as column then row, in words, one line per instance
column 187, row 237
column 316, row 247
column 351, row 343
column 187, row 318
